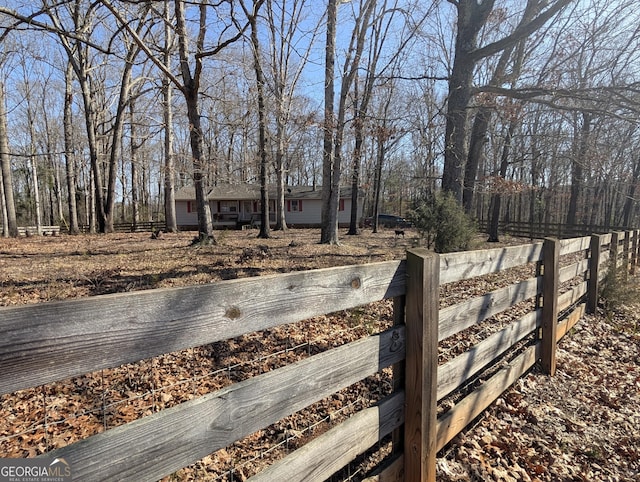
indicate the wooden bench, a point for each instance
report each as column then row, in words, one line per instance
column 44, row 230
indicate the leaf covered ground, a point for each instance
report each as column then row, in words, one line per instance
column 583, row 424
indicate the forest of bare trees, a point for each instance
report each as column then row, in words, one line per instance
column 523, row 110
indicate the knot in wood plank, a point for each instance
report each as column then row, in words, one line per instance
column 233, row 313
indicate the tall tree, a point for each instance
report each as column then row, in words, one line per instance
column 191, row 75
column 472, row 15
column 191, row 90
column 334, row 123
column 265, row 229
column 75, row 41
column 9, row 206
column 513, row 54
column 329, row 227
column 289, row 49
column 167, row 113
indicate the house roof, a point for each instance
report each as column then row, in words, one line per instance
column 252, row 192
column 234, row 191
column 186, row 193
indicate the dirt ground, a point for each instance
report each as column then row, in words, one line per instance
column 581, row 425
column 51, row 268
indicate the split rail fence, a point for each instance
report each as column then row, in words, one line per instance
column 537, row 230
column 44, row 343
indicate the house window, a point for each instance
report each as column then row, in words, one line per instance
column 228, row 207
column 341, row 205
column 190, row 206
column 294, row 205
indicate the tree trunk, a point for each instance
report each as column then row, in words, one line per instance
column 3, row 210
column 329, row 226
column 577, row 169
column 630, row 201
column 476, row 154
column 378, row 183
column 167, row 110
column 471, row 17
column 496, row 197
column 355, row 175
column 33, row 167
column 265, row 229
column 135, row 198
column 190, row 87
column 5, row 166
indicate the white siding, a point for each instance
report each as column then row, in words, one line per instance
column 184, row 218
column 309, row 216
column 344, row 217
column 311, row 213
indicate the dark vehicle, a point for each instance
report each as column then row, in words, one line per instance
column 388, row 221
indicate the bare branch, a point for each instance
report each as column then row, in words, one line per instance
column 519, row 33
column 142, row 44
column 30, row 21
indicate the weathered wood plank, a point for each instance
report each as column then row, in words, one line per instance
column 456, row 318
column 155, row 446
column 576, row 269
column 464, row 265
column 421, row 378
column 394, row 472
column 328, row 453
column 456, row 419
column 454, row 373
column 47, row 342
column 571, row 297
column 606, row 238
column 570, row 246
column 399, row 308
column 570, row 321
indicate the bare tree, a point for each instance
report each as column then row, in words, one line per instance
column 9, row 206
column 167, row 112
column 472, row 17
column 191, row 75
column 334, row 123
column 284, row 20
column 329, row 228
column 265, row 229
column 513, row 54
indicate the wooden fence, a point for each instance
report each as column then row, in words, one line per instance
column 44, row 343
column 139, row 227
column 538, row 230
column 35, row 231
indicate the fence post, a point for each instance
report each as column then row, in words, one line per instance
column 594, row 273
column 626, row 249
column 634, row 252
column 421, row 368
column 550, row 285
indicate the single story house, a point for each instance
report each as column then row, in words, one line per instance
column 237, row 205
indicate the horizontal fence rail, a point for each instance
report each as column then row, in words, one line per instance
column 557, row 282
column 537, row 230
column 131, row 227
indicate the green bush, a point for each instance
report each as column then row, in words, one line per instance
column 442, row 222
